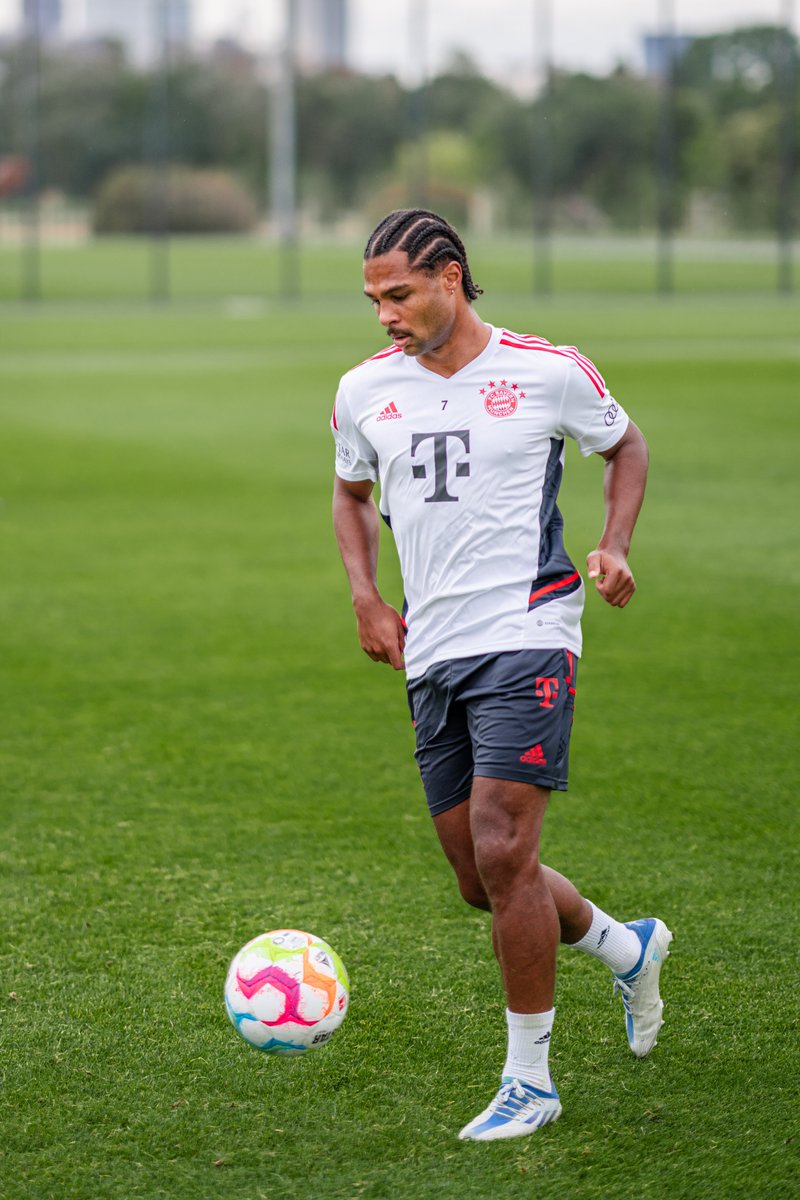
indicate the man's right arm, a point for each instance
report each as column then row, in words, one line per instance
column 357, row 526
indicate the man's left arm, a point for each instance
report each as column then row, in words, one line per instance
column 624, row 482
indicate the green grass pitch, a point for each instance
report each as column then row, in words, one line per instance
column 194, row 749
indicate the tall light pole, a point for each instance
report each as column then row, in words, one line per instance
column 32, row 274
column 283, row 158
column 787, row 88
column 666, row 151
column 541, row 152
column 160, row 280
column 419, row 183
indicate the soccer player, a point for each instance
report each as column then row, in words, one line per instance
column 463, row 425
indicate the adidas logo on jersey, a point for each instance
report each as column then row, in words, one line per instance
column 390, row 413
column 535, row 755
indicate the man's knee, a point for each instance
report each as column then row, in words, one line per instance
column 469, row 882
column 502, row 856
column 453, row 828
column 505, row 830
column 473, row 892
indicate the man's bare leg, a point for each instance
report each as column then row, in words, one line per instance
column 634, row 952
column 505, row 821
column 455, row 834
column 505, row 824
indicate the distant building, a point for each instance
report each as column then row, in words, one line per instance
column 321, row 34
column 663, row 50
column 43, row 16
column 140, row 26
column 231, row 57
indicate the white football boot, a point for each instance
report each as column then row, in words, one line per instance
column 639, row 987
column 517, row 1109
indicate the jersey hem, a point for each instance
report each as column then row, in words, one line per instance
column 564, row 643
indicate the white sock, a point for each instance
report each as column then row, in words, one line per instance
column 528, row 1047
column 613, row 943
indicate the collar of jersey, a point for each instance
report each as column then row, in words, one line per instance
column 487, row 351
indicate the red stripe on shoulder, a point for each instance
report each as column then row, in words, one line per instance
column 586, row 364
column 588, row 368
column 387, row 353
column 381, row 354
column 527, row 339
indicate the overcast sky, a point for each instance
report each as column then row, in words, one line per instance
column 499, row 34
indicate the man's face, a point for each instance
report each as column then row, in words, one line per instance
column 416, row 309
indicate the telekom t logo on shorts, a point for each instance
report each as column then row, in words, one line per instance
column 547, row 690
column 456, row 443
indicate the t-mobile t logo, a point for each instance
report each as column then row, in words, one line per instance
column 440, row 494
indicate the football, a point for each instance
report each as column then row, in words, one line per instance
column 286, row 992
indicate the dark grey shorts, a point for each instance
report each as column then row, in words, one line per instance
column 504, row 716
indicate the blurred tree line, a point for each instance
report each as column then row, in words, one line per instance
column 464, row 142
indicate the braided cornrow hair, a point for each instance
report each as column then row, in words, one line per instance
column 428, row 240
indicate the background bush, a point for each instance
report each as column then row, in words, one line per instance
column 139, row 200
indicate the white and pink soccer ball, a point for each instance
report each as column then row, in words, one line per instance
column 287, row 992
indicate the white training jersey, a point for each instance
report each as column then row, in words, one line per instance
column 469, row 470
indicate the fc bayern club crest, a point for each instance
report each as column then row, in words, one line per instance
column 501, row 399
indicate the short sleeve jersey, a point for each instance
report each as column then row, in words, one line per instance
column 469, row 470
